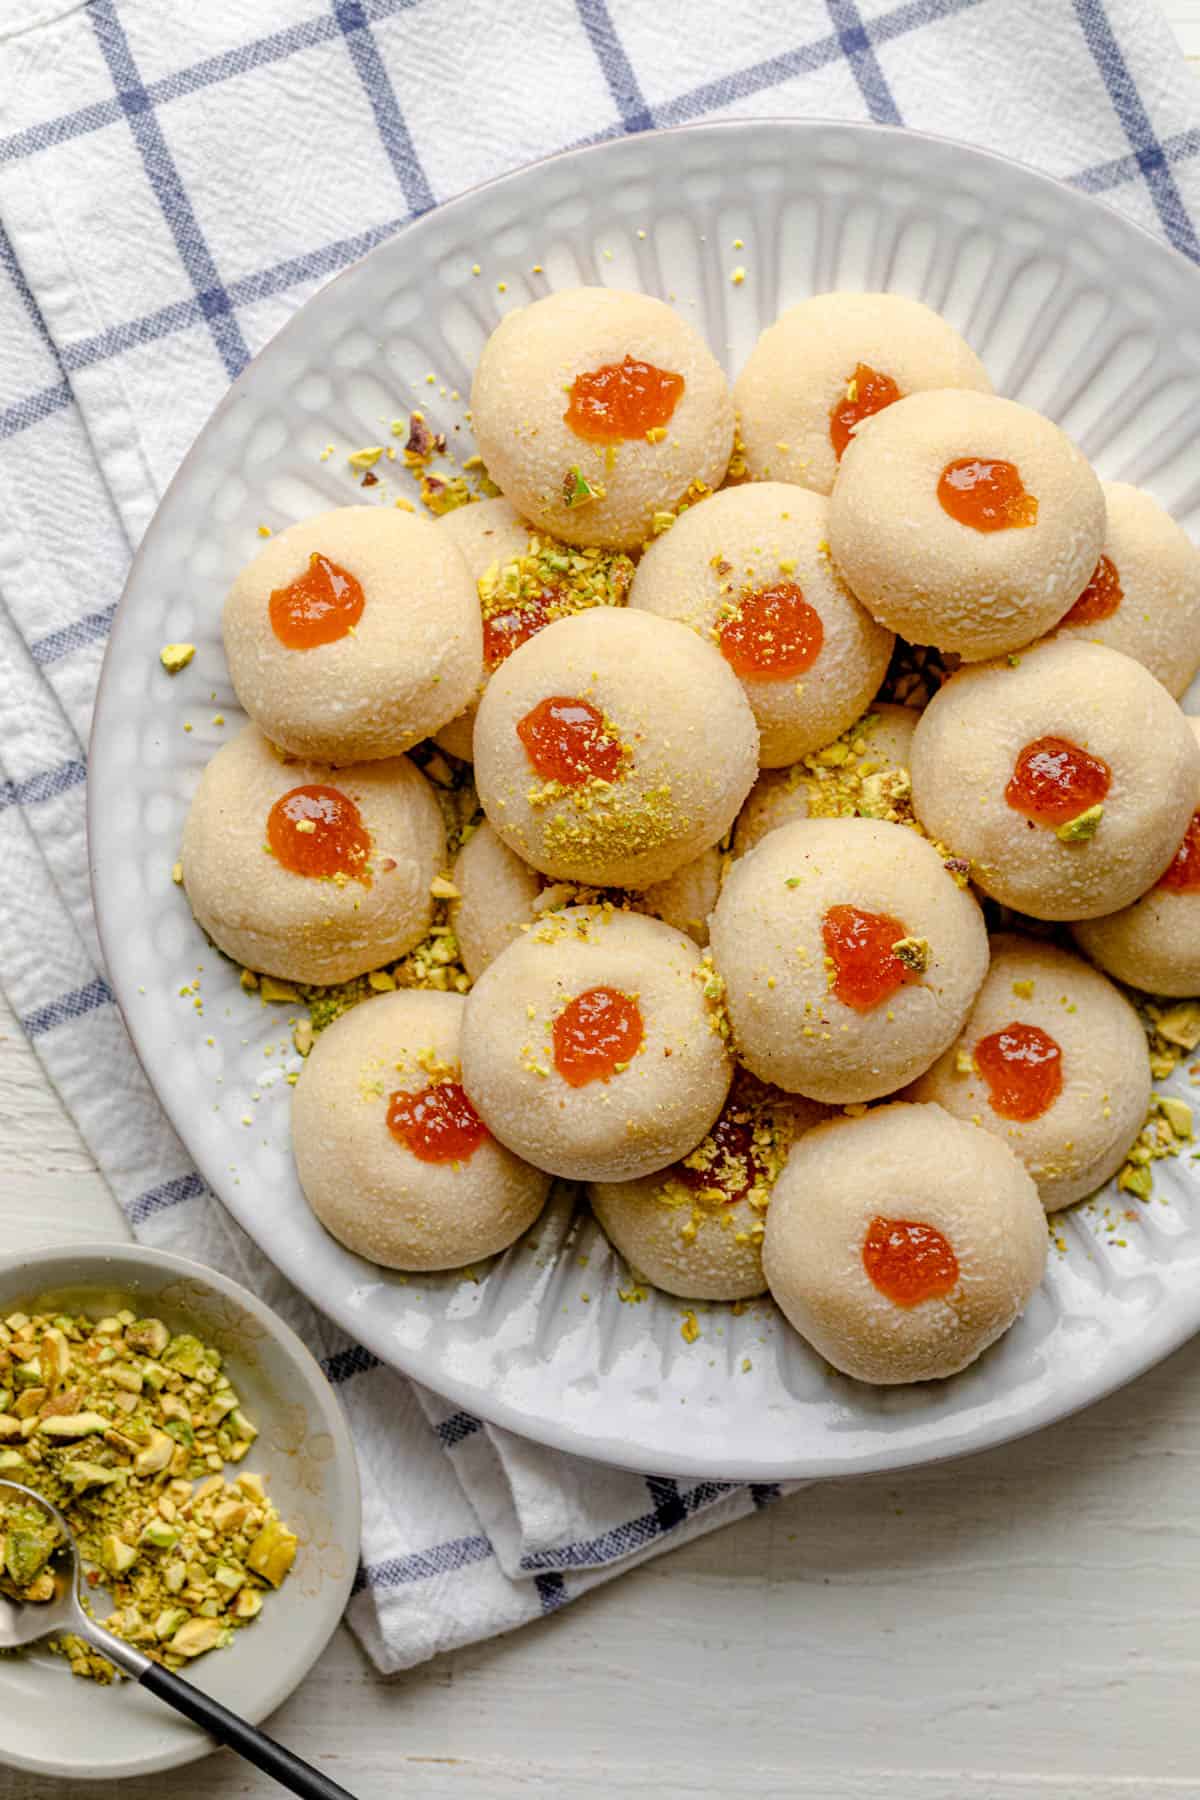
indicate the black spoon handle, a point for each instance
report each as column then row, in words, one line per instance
column 290, row 1771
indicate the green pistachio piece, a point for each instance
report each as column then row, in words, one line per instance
column 1084, row 825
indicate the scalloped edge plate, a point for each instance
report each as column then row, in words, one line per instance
column 541, row 1341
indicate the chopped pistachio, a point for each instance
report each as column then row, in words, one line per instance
column 73, row 1425
column 273, row 1552
column 197, row 1636
column 82, row 1473
column 115, row 1420
column 156, row 1455
column 1177, row 1113
column 242, row 1426
column 54, row 1356
column 185, row 1353
column 271, row 989
column 159, row 1535
column 174, row 657
column 914, row 952
column 577, row 490
column 149, row 1337
column 169, row 1621
column 1138, row 1180
column 1180, row 1024
column 116, row 1555
column 1083, row 825
column 27, row 1549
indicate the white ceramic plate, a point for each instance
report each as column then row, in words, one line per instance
column 1073, row 309
column 56, row 1724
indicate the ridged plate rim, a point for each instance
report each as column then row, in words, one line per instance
column 153, row 1028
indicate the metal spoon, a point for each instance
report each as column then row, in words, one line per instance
column 25, row 1622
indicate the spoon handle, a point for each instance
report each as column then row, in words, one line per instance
column 292, row 1772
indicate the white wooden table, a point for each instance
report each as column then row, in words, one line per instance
column 1026, row 1624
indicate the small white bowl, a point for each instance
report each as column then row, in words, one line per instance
column 52, row 1722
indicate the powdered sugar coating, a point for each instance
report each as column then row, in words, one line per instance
column 1154, row 944
column 367, row 1188
column 519, row 396
column 295, row 926
column 966, row 746
column 486, row 532
column 643, row 1117
column 767, row 943
column 671, row 698
column 1158, row 566
column 801, row 365
column 910, row 1163
column 1084, row 1135
column 411, row 663
column 753, row 537
column 935, row 580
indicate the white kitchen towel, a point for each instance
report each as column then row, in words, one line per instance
column 175, row 179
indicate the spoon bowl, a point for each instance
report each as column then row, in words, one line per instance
column 24, row 1622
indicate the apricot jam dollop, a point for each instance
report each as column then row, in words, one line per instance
column 986, row 494
column 595, row 1035
column 318, row 831
column 773, row 634
column 319, row 607
column 1022, row 1066
column 872, row 392
column 437, row 1124
column 1100, row 598
column 1182, row 873
column 567, row 740
column 1053, row 781
column 909, row 1262
column 866, row 969
column 504, row 632
column 622, row 400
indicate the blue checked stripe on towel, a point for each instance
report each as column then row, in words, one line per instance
column 164, row 205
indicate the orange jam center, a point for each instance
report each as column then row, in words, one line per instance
column 506, row 631
column 872, row 392
column 595, row 1034
column 987, row 495
column 319, row 831
column 622, row 400
column 1054, row 781
column 908, row 1262
column 774, row 633
column 1100, row 598
column 567, row 740
column 1022, row 1066
column 438, row 1123
column 1183, row 871
column 866, row 968
column 319, row 607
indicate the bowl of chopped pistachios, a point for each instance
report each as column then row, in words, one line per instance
column 204, row 1464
